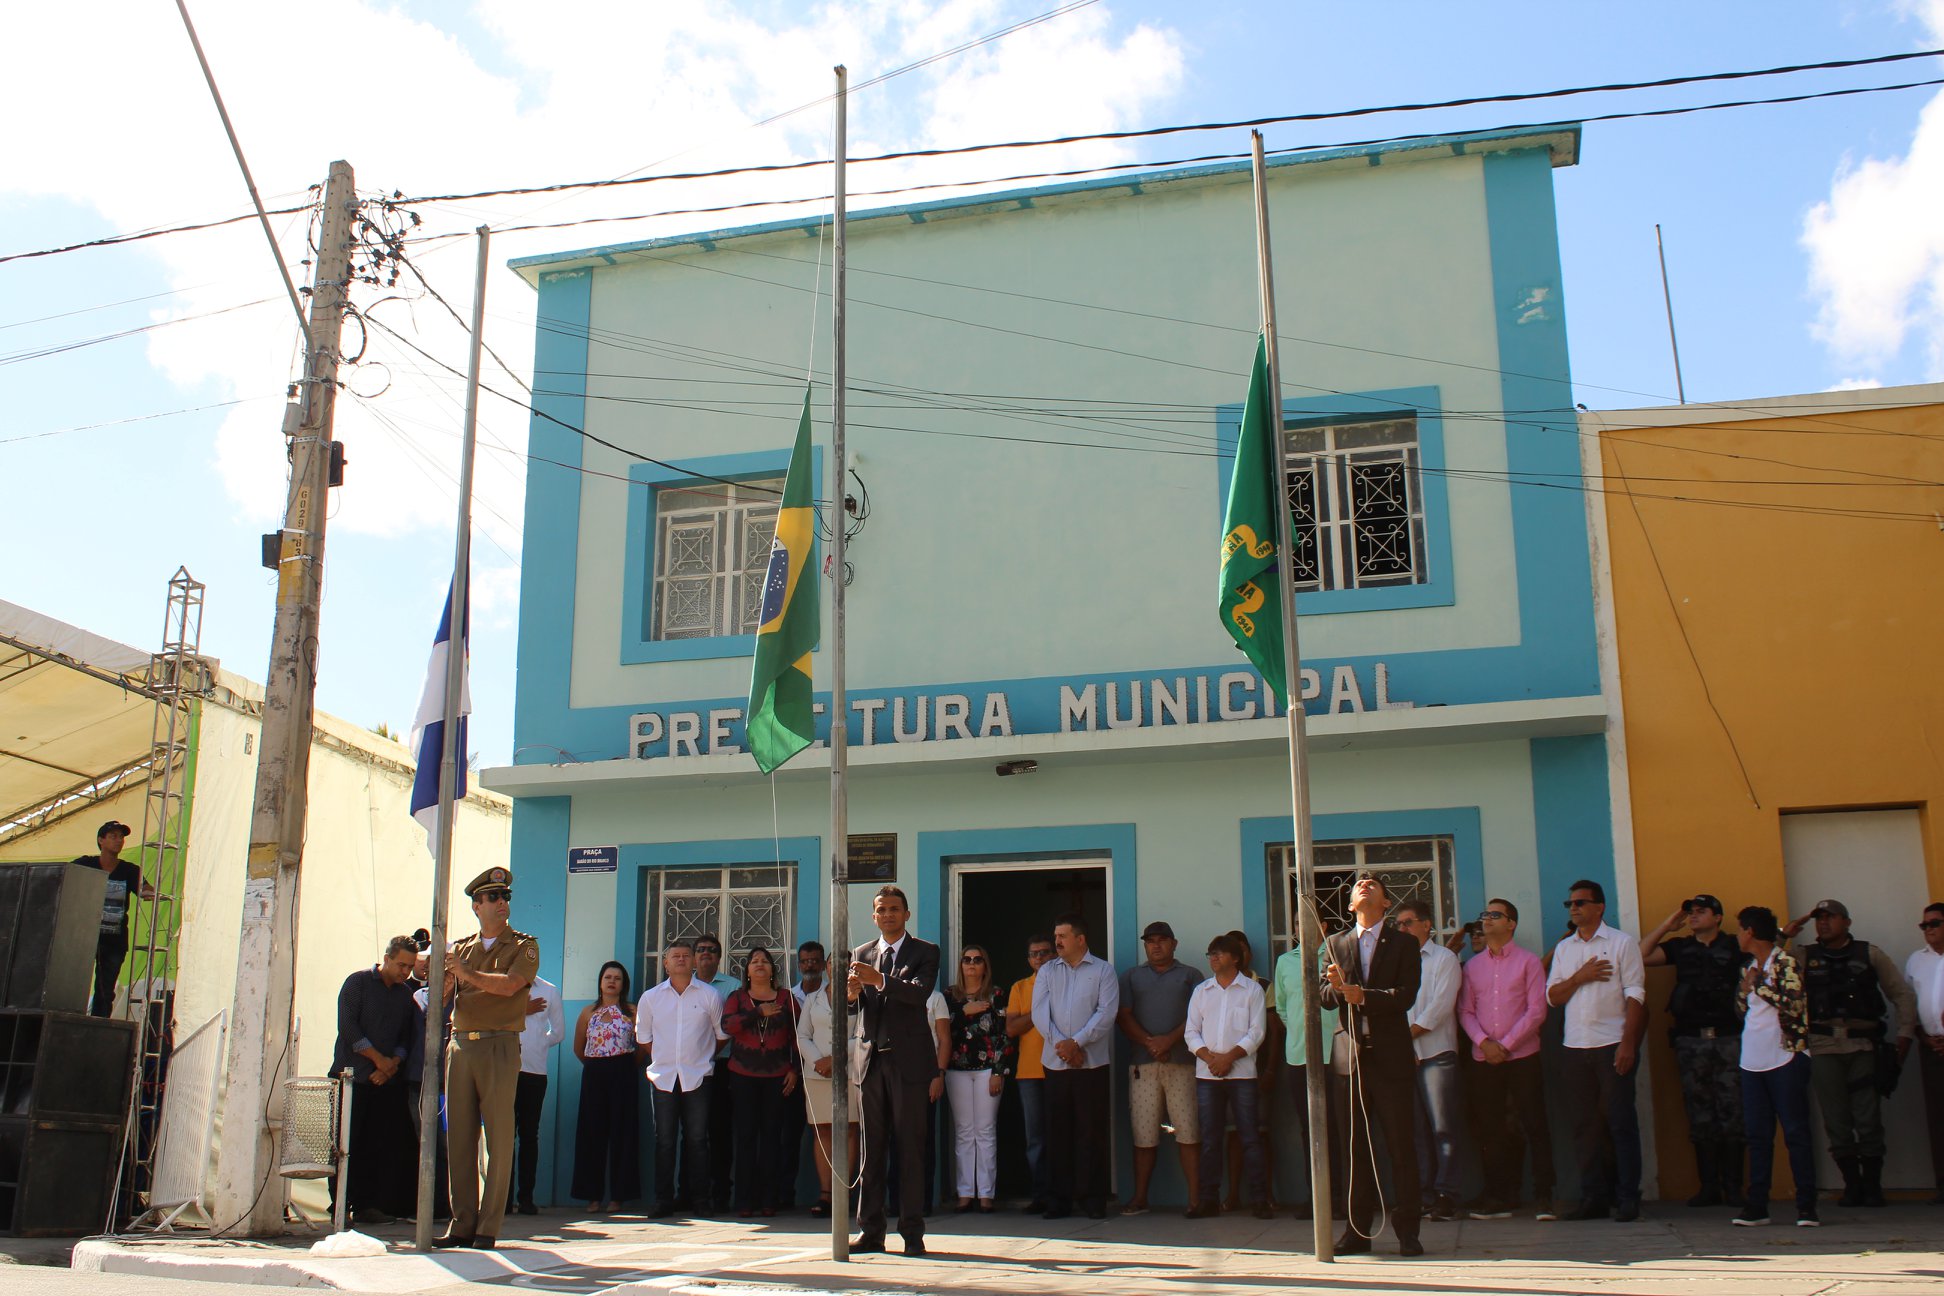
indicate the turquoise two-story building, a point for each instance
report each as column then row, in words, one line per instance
column 1044, row 711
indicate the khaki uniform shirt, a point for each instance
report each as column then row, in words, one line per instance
column 475, row 1010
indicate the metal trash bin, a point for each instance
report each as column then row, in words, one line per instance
column 317, row 1133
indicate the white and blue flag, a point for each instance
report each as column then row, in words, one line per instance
column 428, row 727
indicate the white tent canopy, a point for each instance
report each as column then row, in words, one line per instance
column 75, row 712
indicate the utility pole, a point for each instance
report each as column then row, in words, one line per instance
column 260, row 1023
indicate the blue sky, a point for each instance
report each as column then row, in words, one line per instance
column 435, row 97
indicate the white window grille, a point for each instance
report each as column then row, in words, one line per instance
column 712, row 543
column 1357, row 502
column 741, row 904
column 1412, row 868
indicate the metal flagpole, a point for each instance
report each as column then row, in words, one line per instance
column 840, row 1175
column 1309, row 927
column 449, row 758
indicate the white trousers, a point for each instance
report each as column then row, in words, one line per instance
column 975, row 1131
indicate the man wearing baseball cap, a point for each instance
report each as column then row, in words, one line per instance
column 1707, row 1040
column 124, row 880
column 1161, row 1081
column 1847, row 981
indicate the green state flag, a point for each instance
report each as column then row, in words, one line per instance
column 781, row 723
column 1252, row 590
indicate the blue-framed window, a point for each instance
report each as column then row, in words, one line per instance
column 697, row 550
column 1364, row 473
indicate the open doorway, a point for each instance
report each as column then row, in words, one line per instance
column 1003, row 904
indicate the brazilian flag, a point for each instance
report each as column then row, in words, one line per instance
column 781, row 723
column 1252, row 592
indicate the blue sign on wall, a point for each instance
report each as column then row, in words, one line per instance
column 593, row 859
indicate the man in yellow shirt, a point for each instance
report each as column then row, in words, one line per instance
column 1031, row 1076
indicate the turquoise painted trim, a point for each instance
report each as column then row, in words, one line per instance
column 936, row 850
column 1017, row 199
column 539, row 862
column 1552, row 556
column 1427, row 403
column 550, row 547
column 644, row 480
column 1460, row 823
column 1572, row 808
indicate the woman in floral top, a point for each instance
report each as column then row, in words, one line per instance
column 607, row 1133
column 982, row 1058
column 760, row 1020
column 1774, row 1068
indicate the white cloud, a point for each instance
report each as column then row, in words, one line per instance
column 508, row 93
column 1876, row 245
column 1854, row 384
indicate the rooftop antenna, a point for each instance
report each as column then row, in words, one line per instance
column 1680, row 391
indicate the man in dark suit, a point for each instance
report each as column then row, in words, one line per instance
column 890, row 980
column 1373, row 977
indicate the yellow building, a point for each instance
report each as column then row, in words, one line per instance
column 1773, row 573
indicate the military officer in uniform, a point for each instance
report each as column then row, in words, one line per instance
column 1706, row 1035
column 486, row 981
column 1850, row 984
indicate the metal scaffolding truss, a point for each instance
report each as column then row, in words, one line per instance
column 178, row 675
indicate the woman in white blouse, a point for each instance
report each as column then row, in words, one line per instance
column 813, row 1031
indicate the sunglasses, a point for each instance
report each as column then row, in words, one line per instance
column 1929, row 923
column 1575, row 904
column 974, row 960
column 709, row 949
column 490, row 894
column 1492, row 915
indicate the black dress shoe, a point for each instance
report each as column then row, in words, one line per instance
column 453, row 1240
column 662, row 1210
column 1589, row 1210
column 1626, row 1212
column 915, row 1246
column 528, row 1208
column 1352, row 1244
column 868, row 1244
column 1410, row 1246
column 484, row 1243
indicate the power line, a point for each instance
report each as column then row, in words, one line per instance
column 766, row 168
column 76, row 344
column 133, row 418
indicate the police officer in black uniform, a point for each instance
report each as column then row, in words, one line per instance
column 1706, row 1036
column 1848, row 982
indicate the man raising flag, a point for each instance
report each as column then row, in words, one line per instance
column 1252, row 591
column 781, row 723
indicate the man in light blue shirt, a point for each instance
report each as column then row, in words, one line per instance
column 1076, row 998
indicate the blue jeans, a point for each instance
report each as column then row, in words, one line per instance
column 1438, row 1101
column 1032, row 1106
column 1215, row 1101
column 682, row 1122
column 1768, row 1097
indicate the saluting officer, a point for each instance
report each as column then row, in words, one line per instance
column 486, row 979
column 1707, row 1040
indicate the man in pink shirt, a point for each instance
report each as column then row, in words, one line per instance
column 1501, row 1007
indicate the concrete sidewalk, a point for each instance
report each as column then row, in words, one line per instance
column 1674, row 1250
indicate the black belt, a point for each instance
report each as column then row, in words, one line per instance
column 1840, row 1030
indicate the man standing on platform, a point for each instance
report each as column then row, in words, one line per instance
column 374, row 1026
column 1434, row 1037
column 1076, row 998
column 124, row 883
column 680, row 1023
column 722, row 1129
column 889, row 982
column 487, row 977
column 1373, row 977
column 545, row 1028
column 1707, row 1030
column 1501, row 1008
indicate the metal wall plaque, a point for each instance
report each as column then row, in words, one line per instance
column 873, row 858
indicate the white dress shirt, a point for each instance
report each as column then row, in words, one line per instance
column 543, row 1030
column 1367, row 944
column 1224, row 1017
column 1596, row 1015
column 1924, row 969
column 1436, row 1008
column 1761, row 1041
column 684, row 1028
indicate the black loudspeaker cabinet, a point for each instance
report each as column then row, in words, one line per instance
column 56, row 1177
column 65, row 1066
column 50, row 922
